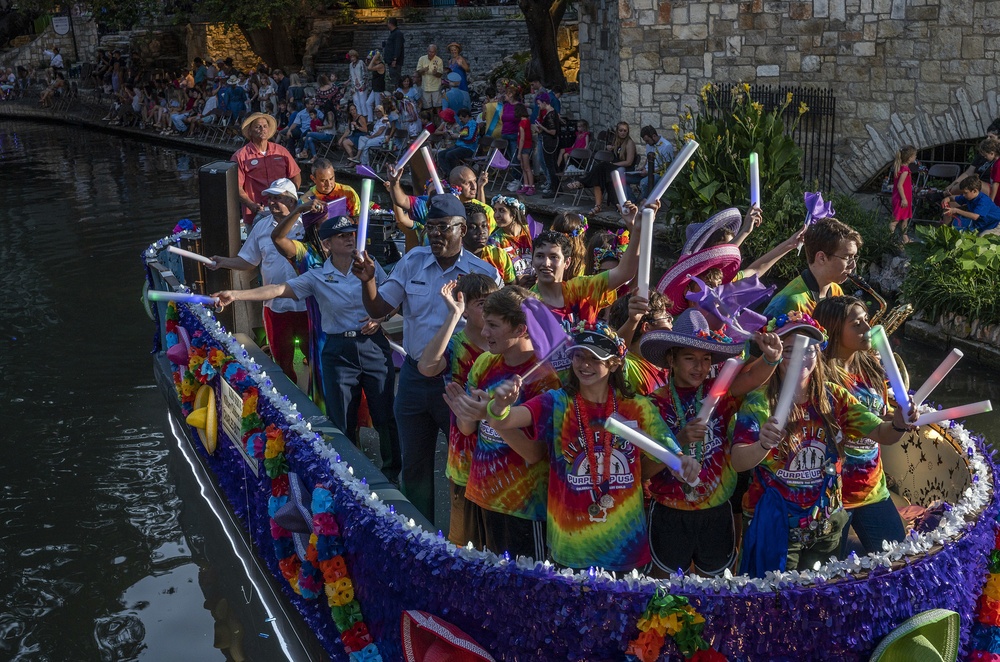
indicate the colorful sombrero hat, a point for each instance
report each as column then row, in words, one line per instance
column 674, row 283
column 931, row 636
column 204, row 418
column 698, row 233
column 690, row 330
column 180, row 354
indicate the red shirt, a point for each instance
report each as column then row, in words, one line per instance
column 257, row 171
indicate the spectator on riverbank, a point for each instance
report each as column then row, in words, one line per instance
column 431, row 69
column 261, row 162
column 456, row 98
column 393, row 51
column 458, row 65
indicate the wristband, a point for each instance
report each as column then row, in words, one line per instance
column 899, row 430
column 780, row 359
column 504, row 414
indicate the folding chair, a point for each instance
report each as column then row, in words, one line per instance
column 603, row 156
column 577, row 165
column 498, row 145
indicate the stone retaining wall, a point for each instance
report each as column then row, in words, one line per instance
column 32, row 54
column 217, row 41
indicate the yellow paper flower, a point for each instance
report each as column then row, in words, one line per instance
column 673, row 624
column 249, row 406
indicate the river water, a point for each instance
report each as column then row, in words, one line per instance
column 107, row 552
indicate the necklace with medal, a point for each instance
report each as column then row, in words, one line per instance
column 682, row 418
column 600, row 478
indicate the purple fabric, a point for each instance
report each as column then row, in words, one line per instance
column 730, row 302
column 544, row 329
column 816, row 209
column 498, row 161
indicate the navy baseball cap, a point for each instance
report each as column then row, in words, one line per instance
column 446, row 205
column 336, row 225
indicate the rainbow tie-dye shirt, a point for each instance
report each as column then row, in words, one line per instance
column 799, row 476
column 864, row 480
column 718, row 479
column 643, row 376
column 460, row 356
column 518, row 247
column 618, row 540
column 800, row 294
column 499, row 479
column 499, row 259
column 583, row 299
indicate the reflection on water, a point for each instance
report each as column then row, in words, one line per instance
column 101, row 557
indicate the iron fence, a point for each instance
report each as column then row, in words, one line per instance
column 814, row 131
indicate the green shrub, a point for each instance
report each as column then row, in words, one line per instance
column 954, row 272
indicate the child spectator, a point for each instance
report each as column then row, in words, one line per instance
column 524, row 147
column 575, row 227
column 512, row 233
column 454, row 353
column 975, row 210
column 902, row 189
column 476, row 240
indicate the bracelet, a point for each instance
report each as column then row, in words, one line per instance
column 780, row 359
column 899, row 430
column 504, row 414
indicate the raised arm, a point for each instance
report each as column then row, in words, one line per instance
column 432, row 362
column 629, row 264
column 279, row 235
column 232, row 263
column 751, row 221
column 363, row 268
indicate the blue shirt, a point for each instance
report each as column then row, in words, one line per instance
column 416, row 282
column 302, row 117
column 467, row 135
column 259, row 249
column 989, row 213
column 456, row 99
column 338, row 296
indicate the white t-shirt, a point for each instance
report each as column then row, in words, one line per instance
column 259, row 249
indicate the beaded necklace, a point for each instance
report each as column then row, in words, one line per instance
column 681, row 413
column 600, row 477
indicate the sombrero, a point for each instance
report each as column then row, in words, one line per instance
column 204, row 418
column 180, row 353
column 295, row 515
column 697, row 234
column 271, row 123
column 427, row 638
column 690, row 330
column 674, row 283
column 931, row 636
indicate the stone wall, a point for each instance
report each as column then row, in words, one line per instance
column 600, row 64
column 32, row 54
column 904, row 71
column 218, row 41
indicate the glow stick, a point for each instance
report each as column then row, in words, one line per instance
column 181, row 297
column 720, row 387
column 754, row 180
column 366, row 196
column 412, row 149
column 954, row 413
column 790, row 385
column 645, row 251
column 675, row 168
column 429, row 160
column 397, row 348
column 641, row 441
column 937, row 376
column 194, row 256
column 616, row 179
column 881, row 344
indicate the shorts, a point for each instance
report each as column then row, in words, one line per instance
column 506, row 533
column 679, row 537
column 465, row 524
column 432, row 99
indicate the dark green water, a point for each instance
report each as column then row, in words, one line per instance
column 107, row 552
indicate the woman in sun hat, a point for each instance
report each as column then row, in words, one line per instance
column 694, row 524
column 794, row 505
column 595, row 502
column 261, row 162
column 459, row 65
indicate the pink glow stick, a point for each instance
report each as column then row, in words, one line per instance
column 188, row 254
column 616, row 179
column 429, row 160
column 720, row 387
column 954, row 413
column 366, row 196
column 412, row 149
column 937, row 376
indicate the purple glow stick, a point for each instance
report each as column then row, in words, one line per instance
column 412, row 149
column 366, row 196
column 429, row 160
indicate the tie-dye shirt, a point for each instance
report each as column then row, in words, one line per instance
column 518, row 247
column 799, row 476
column 460, row 355
column 800, row 294
column 583, row 299
column 616, row 538
column 643, row 376
column 499, row 479
column 864, row 481
column 499, row 259
column 718, row 480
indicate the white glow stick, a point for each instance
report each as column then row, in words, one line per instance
column 412, row 149
column 616, row 180
column 937, row 376
column 754, row 180
column 798, row 247
column 881, row 344
column 641, row 441
column 194, row 256
column 181, row 297
column 790, row 385
column 675, row 167
column 954, row 413
column 429, row 160
column 366, row 196
column 720, row 387
column 397, row 348
column 645, row 251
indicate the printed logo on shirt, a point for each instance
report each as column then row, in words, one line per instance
column 489, row 434
column 580, row 479
column 805, row 469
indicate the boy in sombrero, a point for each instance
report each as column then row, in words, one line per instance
column 694, row 525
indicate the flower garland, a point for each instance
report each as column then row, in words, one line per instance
column 715, row 335
column 796, row 317
column 671, row 616
column 986, row 629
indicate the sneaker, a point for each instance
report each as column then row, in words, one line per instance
column 529, row 190
column 545, row 190
column 514, row 186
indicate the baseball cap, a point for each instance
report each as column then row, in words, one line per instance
column 445, row 206
column 283, row 186
column 336, row 225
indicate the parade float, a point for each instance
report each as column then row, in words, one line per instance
column 352, row 555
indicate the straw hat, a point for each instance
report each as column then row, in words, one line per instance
column 696, row 234
column 931, row 636
column 204, row 418
column 690, row 329
column 272, row 124
column 456, row 44
column 674, row 283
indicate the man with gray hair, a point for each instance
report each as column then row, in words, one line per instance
column 431, row 67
